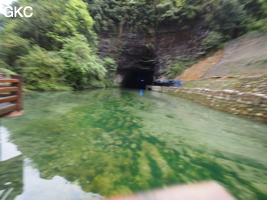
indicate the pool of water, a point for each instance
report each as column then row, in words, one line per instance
column 95, row 143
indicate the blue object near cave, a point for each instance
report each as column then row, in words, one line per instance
column 169, row 83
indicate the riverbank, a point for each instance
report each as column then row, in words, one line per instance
column 245, row 104
column 231, row 80
column 255, row 83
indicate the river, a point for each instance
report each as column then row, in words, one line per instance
column 95, row 143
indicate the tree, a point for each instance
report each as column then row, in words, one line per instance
column 42, row 69
column 83, row 67
column 73, row 21
column 55, row 47
column 227, row 17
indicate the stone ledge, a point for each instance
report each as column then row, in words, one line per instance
column 246, row 104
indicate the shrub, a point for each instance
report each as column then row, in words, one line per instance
column 110, row 64
column 175, row 70
column 83, row 67
column 11, row 47
column 213, row 41
column 178, row 67
column 227, row 17
column 260, row 25
column 42, row 69
column 3, row 64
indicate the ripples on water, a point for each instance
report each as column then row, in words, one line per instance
column 76, row 145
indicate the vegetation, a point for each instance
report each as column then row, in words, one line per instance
column 54, row 49
column 213, row 41
column 83, row 67
column 42, row 69
column 229, row 17
column 176, row 67
column 67, row 31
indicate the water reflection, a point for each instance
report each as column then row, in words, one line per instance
column 11, row 183
column 111, row 141
column 20, row 180
column 141, row 93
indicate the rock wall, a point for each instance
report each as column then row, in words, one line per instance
column 153, row 50
column 250, row 105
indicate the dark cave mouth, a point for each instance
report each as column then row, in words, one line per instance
column 137, row 78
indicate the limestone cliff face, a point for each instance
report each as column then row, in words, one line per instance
column 152, row 50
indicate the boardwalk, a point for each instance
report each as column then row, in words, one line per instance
column 11, row 95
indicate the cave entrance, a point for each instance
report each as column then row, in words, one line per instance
column 137, row 66
column 137, row 78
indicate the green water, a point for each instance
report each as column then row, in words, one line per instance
column 114, row 141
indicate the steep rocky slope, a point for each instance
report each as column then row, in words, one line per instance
column 242, row 66
column 201, row 68
column 244, row 56
column 247, row 55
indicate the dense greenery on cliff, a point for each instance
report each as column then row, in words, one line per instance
column 230, row 18
column 56, row 47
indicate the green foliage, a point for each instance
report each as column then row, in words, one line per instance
column 260, row 26
column 51, row 22
column 213, row 41
column 53, row 49
column 73, row 21
column 3, row 68
column 255, row 8
column 42, row 70
column 66, row 27
column 12, row 46
column 7, row 71
column 115, row 16
column 175, row 70
column 36, row 28
column 227, row 16
column 110, row 64
column 177, row 67
column 83, row 67
column 3, row 64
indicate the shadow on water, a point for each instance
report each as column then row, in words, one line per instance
column 97, row 140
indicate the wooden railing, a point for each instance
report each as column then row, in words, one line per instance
column 10, row 95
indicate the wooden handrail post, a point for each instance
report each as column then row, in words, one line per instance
column 19, row 84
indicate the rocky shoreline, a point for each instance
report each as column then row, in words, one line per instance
column 246, row 104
